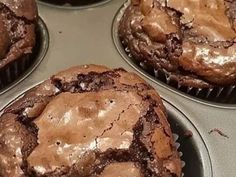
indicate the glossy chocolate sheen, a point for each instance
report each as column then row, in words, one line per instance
column 88, row 121
column 193, row 41
column 17, row 28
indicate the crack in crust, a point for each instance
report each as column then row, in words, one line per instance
column 116, row 120
column 192, row 42
column 126, row 128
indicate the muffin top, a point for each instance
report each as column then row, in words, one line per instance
column 88, row 121
column 17, row 28
column 194, row 38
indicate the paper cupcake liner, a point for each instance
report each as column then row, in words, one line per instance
column 217, row 94
column 177, row 144
column 13, row 70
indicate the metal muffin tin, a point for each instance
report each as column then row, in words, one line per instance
column 84, row 36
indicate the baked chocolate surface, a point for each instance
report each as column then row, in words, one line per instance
column 71, row 2
column 88, row 121
column 17, row 28
column 192, row 41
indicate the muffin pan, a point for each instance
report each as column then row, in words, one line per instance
column 19, row 71
column 84, row 36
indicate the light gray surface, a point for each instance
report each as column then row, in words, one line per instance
column 86, row 38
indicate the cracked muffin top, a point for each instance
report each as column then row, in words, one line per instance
column 17, row 29
column 88, row 121
column 191, row 40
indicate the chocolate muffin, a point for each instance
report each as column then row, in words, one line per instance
column 17, row 27
column 191, row 41
column 72, row 2
column 88, row 121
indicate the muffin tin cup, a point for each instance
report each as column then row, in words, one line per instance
column 194, row 154
column 177, row 144
column 75, row 7
column 18, row 70
column 192, row 150
column 214, row 95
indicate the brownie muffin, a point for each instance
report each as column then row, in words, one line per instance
column 17, row 28
column 88, row 121
column 72, row 2
column 191, row 41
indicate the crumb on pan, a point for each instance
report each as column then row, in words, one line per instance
column 216, row 130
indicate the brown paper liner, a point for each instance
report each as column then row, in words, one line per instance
column 200, row 90
column 176, row 137
column 13, row 71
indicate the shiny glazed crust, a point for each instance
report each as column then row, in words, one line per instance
column 88, row 121
column 193, row 42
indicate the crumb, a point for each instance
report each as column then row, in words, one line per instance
column 59, row 32
column 188, row 134
column 219, row 132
